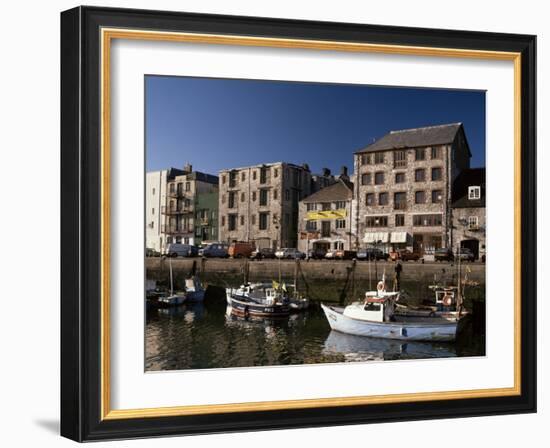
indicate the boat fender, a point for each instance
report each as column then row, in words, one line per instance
column 447, row 300
column 380, row 286
column 246, row 312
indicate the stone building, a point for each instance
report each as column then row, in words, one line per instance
column 184, row 193
column 468, row 211
column 404, row 185
column 156, row 183
column 325, row 218
column 260, row 203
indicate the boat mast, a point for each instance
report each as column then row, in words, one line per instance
column 458, row 288
column 171, row 278
column 296, row 275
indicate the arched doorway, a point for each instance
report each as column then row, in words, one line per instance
column 473, row 245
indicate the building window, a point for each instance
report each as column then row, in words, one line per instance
column 276, row 172
column 427, row 220
column 254, row 175
column 399, row 178
column 223, row 198
column 172, row 188
column 231, row 201
column 253, row 220
column 340, row 223
column 420, row 154
column 379, row 157
column 223, row 221
column 420, row 175
column 325, row 229
column 152, row 211
column 242, row 220
column 366, row 179
column 369, row 199
column 263, row 220
column 311, row 206
column 399, row 220
column 243, row 197
column 275, row 194
column 365, row 159
column 153, row 191
column 400, row 200
column 263, row 175
column 325, row 206
column 232, row 222
column 254, row 196
column 243, row 176
column 187, row 186
column 420, row 197
column 437, row 153
column 473, row 222
column 399, row 159
column 311, row 225
column 437, row 196
column 264, row 196
column 379, row 178
column 377, row 221
column 232, row 179
column 437, row 173
column 383, row 198
column 474, row 192
column 340, row 205
column 223, row 179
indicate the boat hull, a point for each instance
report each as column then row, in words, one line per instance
column 241, row 306
column 443, row 331
column 195, row 296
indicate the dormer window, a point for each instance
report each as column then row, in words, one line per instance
column 474, row 192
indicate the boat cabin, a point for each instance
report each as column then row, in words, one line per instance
column 374, row 309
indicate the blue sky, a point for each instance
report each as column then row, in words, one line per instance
column 222, row 123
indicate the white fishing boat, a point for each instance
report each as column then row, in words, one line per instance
column 375, row 317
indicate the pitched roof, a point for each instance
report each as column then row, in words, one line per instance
column 468, row 178
column 411, row 138
column 342, row 190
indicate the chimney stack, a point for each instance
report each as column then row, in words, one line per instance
column 344, row 171
column 326, row 172
column 188, row 168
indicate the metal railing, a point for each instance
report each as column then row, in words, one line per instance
column 167, row 210
column 175, row 230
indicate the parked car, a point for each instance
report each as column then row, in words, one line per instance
column 371, row 253
column 443, row 254
column 407, row 255
column 342, row 254
column 317, row 253
column 290, row 253
column 151, row 252
column 465, row 254
column 331, row 254
column 181, row 250
column 215, row 250
column 262, row 254
column 241, row 249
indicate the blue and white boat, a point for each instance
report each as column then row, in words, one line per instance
column 259, row 300
column 375, row 317
column 194, row 291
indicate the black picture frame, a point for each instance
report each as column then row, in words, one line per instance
column 81, row 224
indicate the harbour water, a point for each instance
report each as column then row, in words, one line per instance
column 202, row 336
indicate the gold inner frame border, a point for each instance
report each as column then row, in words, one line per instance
column 107, row 35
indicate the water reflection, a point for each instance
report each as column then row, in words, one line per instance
column 362, row 348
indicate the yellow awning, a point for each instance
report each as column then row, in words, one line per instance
column 327, row 214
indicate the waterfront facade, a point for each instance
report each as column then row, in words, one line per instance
column 468, row 211
column 183, row 218
column 403, row 188
column 155, row 199
column 325, row 218
column 260, row 203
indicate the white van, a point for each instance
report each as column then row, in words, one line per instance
column 180, row 250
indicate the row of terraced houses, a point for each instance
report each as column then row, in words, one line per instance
column 411, row 188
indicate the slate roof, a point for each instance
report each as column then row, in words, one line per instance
column 468, row 178
column 416, row 137
column 342, row 190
